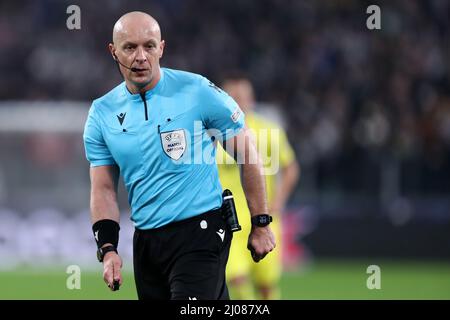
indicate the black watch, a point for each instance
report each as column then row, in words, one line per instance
column 102, row 251
column 261, row 220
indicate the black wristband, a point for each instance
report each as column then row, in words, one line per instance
column 106, row 231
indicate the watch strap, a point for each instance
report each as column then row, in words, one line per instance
column 102, row 251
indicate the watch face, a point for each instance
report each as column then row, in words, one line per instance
column 263, row 220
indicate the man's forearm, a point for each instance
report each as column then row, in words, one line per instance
column 253, row 183
column 103, row 208
column 243, row 149
column 104, row 205
column 261, row 239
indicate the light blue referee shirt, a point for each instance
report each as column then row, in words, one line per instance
column 163, row 144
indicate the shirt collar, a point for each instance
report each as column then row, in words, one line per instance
column 148, row 93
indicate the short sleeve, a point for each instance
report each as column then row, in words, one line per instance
column 219, row 111
column 97, row 152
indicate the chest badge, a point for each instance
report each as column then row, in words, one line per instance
column 174, row 143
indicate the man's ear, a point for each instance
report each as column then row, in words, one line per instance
column 112, row 50
column 162, row 44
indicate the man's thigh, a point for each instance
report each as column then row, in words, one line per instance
column 199, row 270
column 151, row 284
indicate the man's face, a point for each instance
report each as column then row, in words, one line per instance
column 137, row 44
column 242, row 92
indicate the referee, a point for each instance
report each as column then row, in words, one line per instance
column 152, row 129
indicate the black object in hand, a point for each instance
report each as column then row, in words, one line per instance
column 115, row 285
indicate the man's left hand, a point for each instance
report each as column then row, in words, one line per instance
column 260, row 242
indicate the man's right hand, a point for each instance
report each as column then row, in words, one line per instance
column 112, row 263
column 261, row 241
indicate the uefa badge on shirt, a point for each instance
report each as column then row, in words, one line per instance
column 174, row 143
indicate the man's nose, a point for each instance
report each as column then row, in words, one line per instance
column 140, row 55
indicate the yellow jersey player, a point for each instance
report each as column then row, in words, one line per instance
column 281, row 172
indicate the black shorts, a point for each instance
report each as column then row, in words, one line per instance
column 183, row 260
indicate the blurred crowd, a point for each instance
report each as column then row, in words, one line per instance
column 366, row 110
column 46, row 243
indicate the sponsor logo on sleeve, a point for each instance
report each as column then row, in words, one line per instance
column 236, row 115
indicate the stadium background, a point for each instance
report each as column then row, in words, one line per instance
column 367, row 112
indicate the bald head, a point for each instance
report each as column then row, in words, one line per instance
column 136, row 23
column 137, row 48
